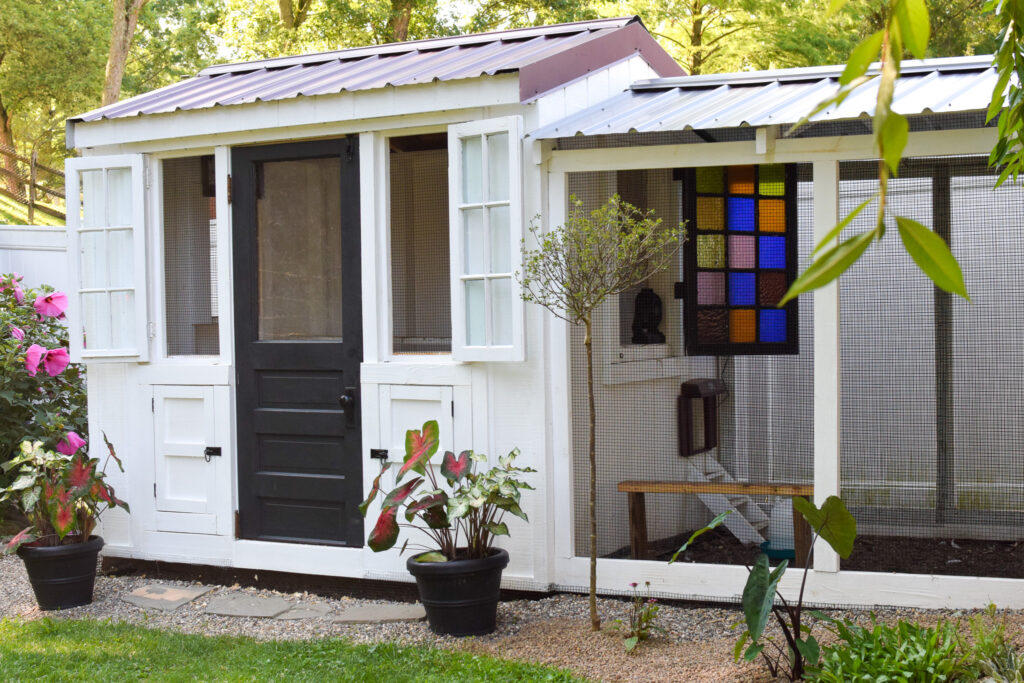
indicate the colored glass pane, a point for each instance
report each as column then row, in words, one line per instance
column 710, row 289
column 741, row 214
column 772, row 326
column 772, row 179
column 771, row 252
column 771, row 287
column 742, row 326
column 741, row 289
column 741, row 179
column 710, row 251
column 772, row 215
column 710, row 213
column 709, row 179
column 713, row 326
column 741, row 251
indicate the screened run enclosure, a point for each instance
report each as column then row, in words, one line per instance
column 716, row 408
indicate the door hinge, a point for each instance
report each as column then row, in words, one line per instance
column 229, row 189
column 238, row 524
column 152, row 404
column 154, row 489
column 453, row 408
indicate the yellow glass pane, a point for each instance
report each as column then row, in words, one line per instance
column 710, row 213
column 742, row 326
column 741, row 179
column 772, row 179
column 709, row 179
column 710, row 251
column 772, row 215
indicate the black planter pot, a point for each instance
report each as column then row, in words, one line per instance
column 62, row 576
column 460, row 597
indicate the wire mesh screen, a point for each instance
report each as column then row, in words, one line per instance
column 932, row 385
column 190, row 257
column 421, row 294
column 764, row 416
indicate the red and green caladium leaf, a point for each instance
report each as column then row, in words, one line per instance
column 398, row 496
column 434, row 500
column 81, row 475
column 16, row 541
column 385, row 531
column 420, row 445
column 374, row 490
column 63, row 518
column 110, row 448
column 454, row 468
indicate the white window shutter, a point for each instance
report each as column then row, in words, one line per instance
column 485, row 174
column 106, row 218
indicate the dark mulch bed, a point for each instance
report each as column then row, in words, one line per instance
column 944, row 556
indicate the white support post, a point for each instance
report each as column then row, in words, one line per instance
column 826, row 361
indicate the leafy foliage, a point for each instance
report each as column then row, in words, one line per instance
column 1008, row 95
column 831, row 522
column 36, row 405
column 462, row 513
column 643, row 612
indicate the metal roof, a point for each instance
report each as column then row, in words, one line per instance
column 783, row 96
column 541, row 55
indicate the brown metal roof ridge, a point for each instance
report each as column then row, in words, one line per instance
column 428, row 44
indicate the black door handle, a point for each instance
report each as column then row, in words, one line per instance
column 347, row 401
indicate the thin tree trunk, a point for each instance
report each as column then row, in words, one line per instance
column 293, row 18
column 126, row 18
column 398, row 23
column 697, row 39
column 7, row 143
column 595, row 620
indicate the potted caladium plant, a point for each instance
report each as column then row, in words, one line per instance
column 459, row 573
column 62, row 494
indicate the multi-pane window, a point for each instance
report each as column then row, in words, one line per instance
column 485, row 232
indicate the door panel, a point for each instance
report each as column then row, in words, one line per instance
column 298, row 341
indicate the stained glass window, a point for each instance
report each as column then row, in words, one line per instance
column 740, row 259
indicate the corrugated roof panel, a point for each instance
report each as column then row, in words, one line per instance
column 777, row 97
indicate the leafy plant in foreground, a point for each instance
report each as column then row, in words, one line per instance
column 992, row 658
column 833, row 523
column 462, row 519
column 643, row 611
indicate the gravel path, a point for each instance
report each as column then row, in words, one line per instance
column 554, row 630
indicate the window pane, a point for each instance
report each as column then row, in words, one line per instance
column 497, row 167
column 94, row 259
column 122, row 320
column 501, row 311
column 92, row 195
column 473, row 241
column 120, row 258
column 476, row 315
column 119, row 196
column 96, row 317
column 472, row 170
column 501, row 258
column 299, row 235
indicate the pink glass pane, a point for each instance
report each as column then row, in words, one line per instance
column 710, row 289
column 741, row 251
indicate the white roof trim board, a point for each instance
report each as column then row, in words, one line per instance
column 783, row 96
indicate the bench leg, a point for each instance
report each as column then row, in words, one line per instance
column 637, row 526
column 801, row 539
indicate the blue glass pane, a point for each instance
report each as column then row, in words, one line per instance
column 741, row 289
column 772, row 252
column 741, row 214
column 772, row 325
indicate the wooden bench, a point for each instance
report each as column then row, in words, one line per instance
column 638, row 509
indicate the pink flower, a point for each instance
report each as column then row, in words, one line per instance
column 19, row 295
column 70, row 443
column 17, row 333
column 55, row 361
column 34, row 354
column 52, row 304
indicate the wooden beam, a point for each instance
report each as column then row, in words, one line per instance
column 736, row 488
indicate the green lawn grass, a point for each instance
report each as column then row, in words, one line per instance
column 62, row 650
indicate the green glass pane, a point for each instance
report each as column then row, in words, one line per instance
column 710, row 251
column 772, row 179
column 709, row 179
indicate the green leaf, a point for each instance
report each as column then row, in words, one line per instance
column 737, row 651
column 829, row 265
column 841, row 225
column 893, row 138
column 433, row 556
column 752, row 652
column 23, row 482
column 631, row 643
column 809, row 649
column 711, row 525
column 385, row 531
column 834, row 6
column 833, row 522
column 499, row 529
column 861, row 57
column 912, row 17
column 932, row 255
column 420, row 446
column 759, row 594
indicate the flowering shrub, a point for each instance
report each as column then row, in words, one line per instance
column 42, row 397
column 643, row 611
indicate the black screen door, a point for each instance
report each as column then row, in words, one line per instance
column 298, row 341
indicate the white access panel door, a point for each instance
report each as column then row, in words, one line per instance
column 186, row 480
column 404, row 407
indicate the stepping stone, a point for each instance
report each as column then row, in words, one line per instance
column 241, row 605
column 304, row 611
column 164, row 596
column 380, row 614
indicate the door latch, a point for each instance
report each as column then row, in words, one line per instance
column 379, row 454
column 211, row 452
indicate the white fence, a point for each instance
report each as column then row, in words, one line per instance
column 36, row 252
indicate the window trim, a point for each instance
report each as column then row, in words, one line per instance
column 74, row 168
column 461, row 350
